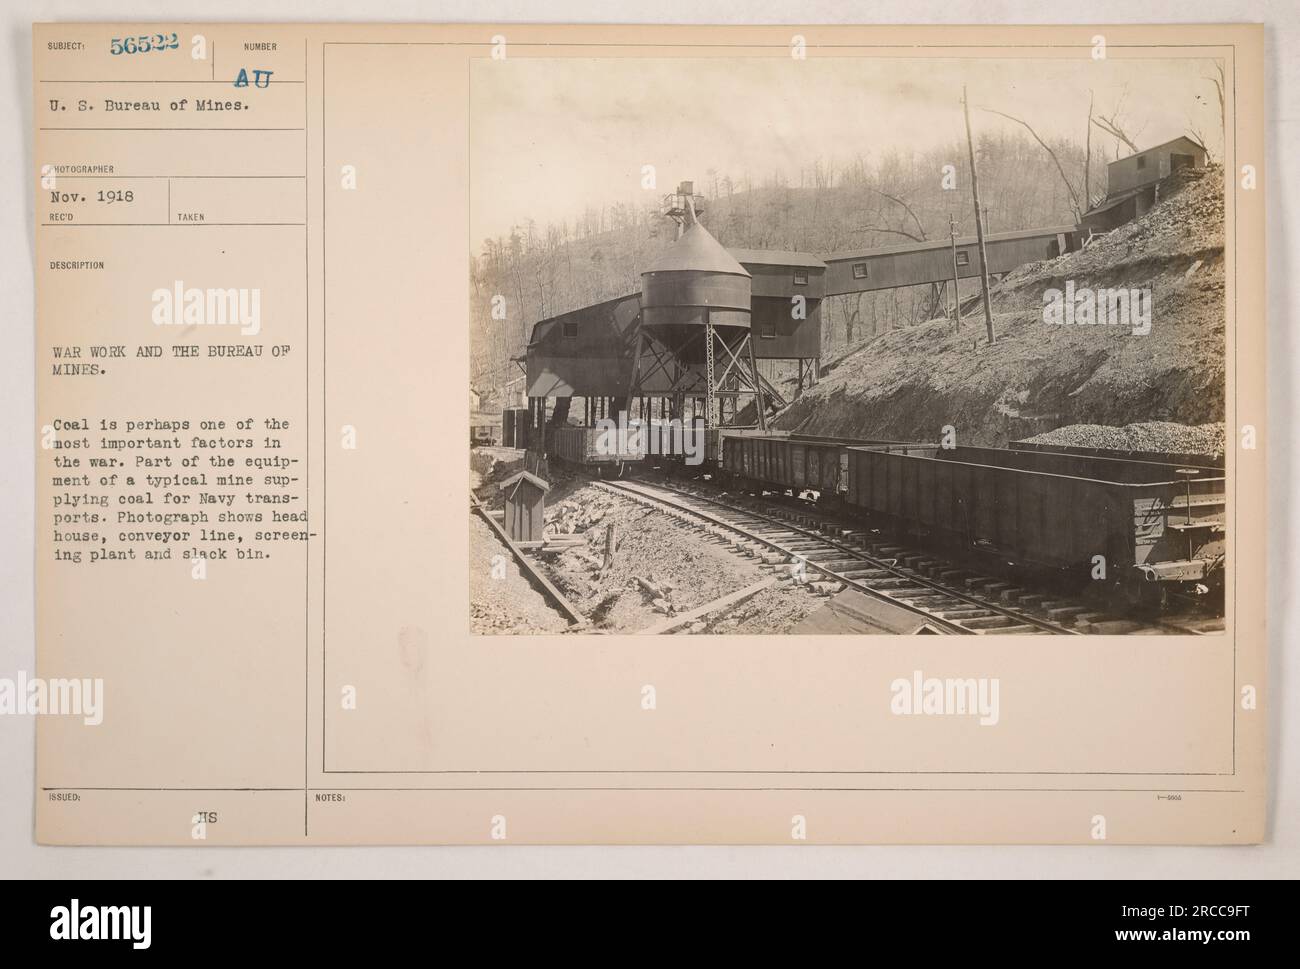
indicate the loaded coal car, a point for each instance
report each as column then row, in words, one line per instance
column 1159, row 457
column 1157, row 526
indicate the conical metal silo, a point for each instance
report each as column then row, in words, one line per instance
column 695, row 324
column 695, row 284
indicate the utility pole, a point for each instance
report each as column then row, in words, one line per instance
column 979, row 221
column 956, row 286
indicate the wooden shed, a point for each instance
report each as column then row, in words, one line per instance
column 525, row 506
column 1133, row 183
column 1149, row 166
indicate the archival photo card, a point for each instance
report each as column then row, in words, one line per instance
column 866, row 434
column 958, row 369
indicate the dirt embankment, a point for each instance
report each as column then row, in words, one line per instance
column 660, row 568
column 912, row 382
column 501, row 600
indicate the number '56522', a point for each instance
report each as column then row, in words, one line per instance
column 143, row 45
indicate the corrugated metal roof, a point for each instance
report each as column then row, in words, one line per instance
column 696, row 251
column 776, row 257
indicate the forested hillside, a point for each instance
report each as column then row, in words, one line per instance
column 875, row 200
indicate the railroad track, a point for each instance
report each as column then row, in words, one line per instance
column 854, row 559
column 1194, row 626
column 529, row 570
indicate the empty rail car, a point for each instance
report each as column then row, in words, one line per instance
column 1143, row 524
column 638, row 444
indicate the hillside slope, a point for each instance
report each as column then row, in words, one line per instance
column 911, row 382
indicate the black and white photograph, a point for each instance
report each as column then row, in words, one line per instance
column 848, row 345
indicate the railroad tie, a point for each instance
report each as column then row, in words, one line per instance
column 1062, row 611
column 995, row 588
column 928, row 597
column 963, row 612
column 866, row 573
column 991, row 623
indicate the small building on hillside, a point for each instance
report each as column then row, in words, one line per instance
column 1133, row 183
column 1153, row 164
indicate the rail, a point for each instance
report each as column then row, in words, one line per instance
column 950, row 625
column 529, row 570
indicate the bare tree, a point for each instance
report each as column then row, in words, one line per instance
column 1115, row 125
column 1199, row 136
column 1074, row 198
column 1218, row 87
column 1087, row 156
column 908, row 209
column 897, row 232
column 1193, row 130
column 852, row 313
column 1112, row 127
column 900, row 231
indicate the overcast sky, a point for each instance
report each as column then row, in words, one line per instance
column 550, row 136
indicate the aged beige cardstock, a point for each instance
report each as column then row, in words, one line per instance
column 254, row 309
